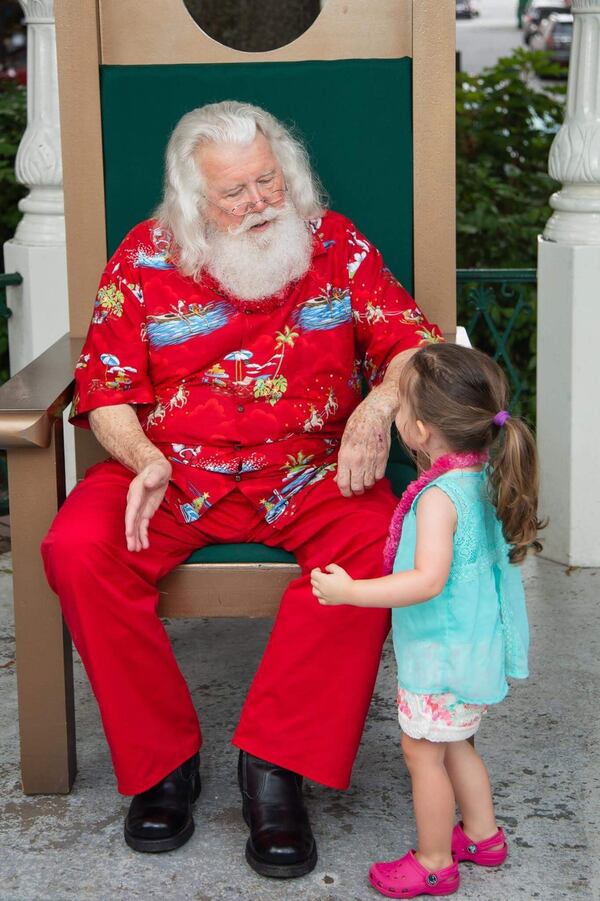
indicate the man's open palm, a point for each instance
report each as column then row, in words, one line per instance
column 144, row 498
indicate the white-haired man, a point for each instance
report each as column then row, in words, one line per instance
column 222, row 373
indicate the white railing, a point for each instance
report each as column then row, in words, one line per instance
column 568, row 414
column 39, row 306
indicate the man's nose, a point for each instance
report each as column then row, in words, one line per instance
column 255, row 196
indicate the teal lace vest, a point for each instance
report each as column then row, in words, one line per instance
column 469, row 638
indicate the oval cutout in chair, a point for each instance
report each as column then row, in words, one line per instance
column 254, row 26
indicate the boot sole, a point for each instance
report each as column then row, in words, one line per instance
column 275, row 871
column 156, row 846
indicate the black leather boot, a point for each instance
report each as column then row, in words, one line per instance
column 281, row 842
column 160, row 819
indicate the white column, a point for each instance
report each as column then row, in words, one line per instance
column 39, row 306
column 568, row 413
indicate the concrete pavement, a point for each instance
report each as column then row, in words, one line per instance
column 541, row 746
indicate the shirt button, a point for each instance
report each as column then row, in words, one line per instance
column 240, row 408
column 238, row 477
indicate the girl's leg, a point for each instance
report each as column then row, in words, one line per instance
column 471, row 784
column 433, row 800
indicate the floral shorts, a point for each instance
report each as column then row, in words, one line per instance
column 440, row 717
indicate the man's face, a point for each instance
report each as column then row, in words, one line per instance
column 258, row 254
column 236, row 174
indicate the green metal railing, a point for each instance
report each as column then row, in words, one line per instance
column 498, row 309
column 7, row 279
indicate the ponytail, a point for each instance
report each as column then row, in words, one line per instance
column 514, row 480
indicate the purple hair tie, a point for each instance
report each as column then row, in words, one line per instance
column 501, row 417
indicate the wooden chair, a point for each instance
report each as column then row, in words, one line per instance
column 370, row 87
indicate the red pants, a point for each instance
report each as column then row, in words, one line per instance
column 307, row 704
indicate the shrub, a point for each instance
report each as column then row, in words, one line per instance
column 505, row 125
column 13, row 118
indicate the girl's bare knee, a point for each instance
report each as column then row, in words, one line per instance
column 420, row 752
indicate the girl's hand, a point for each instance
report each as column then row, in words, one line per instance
column 332, row 587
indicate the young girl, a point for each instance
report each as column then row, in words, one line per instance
column 459, row 619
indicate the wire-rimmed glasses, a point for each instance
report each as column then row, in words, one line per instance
column 246, row 206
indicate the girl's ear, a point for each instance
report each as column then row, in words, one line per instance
column 424, row 434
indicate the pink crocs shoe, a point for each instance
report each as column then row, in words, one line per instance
column 406, row 878
column 464, row 848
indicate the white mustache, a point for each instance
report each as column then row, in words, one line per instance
column 252, row 219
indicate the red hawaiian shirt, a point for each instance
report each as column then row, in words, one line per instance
column 244, row 394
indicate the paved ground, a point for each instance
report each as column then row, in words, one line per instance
column 541, row 746
column 494, row 33
column 4, row 534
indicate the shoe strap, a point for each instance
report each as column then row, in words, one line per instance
column 436, row 877
column 474, row 847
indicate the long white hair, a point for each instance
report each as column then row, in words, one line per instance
column 230, row 122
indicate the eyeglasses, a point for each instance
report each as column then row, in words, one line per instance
column 242, row 209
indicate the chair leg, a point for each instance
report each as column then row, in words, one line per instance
column 43, row 645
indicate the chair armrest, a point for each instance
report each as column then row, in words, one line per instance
column 38, row 394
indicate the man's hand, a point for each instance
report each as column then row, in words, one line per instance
column 144, row 497
column 118, row 430
column 366, row 440
column 332, row 587
column 364, row 449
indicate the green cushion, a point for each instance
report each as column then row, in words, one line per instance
column 355, row 116
column 400, row 474
column 240, row 553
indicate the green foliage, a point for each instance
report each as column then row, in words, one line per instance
column 506, row 120
column 504, row 128
column 13, row 118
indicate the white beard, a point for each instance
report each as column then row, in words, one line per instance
column 253, row 266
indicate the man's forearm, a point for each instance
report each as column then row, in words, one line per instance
column 385, row 396
column 118, row 430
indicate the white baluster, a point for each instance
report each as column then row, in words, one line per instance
column 575, row 153
column 38, row 163
column 37, row 251
column 568, row 414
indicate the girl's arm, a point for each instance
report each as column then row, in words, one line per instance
column 436, row 523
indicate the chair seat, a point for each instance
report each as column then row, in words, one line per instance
column 241, row 553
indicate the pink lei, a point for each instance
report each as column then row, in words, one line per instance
column 441, row 465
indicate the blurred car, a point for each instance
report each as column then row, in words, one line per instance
column 466, row 9
column 539, row 10
column 555, row 35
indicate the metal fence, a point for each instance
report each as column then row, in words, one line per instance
column 498, row 309
column 6, row 280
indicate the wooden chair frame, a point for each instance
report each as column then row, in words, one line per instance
column 95, row 32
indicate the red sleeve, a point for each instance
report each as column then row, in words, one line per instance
column 113, row 366
column 386, row 318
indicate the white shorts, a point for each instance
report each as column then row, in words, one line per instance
column 438, row 717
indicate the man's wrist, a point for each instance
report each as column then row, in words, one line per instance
column 383, row 400
column 147, row 456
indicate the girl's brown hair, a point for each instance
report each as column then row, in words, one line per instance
column 459, row 391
